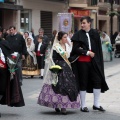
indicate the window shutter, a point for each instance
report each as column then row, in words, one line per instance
column 46, row 22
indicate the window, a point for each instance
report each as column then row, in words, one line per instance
column 25, row 19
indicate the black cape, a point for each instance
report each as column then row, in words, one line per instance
column 13, row 95
column 80, row 47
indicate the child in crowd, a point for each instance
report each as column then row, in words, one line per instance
column 40, row 49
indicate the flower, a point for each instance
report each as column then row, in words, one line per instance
column 55, row 69
column 12, row 61
column 13, row 56
column 107, row 43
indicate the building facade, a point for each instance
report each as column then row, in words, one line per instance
column 103, row 19
column 39, row 13
column 28, row 14
column 8, row 12
column 98, row 10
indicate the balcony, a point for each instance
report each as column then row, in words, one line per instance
column 78, row 3
column 60, row 1
column 10, row 5
column 106, row 5
column 10, row 1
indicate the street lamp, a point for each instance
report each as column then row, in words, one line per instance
column 111, row 19
column 95, row 12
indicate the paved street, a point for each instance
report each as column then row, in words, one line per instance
column 31, row 88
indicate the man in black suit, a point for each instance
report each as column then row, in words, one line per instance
column 17, row 44
column 88, row 68
column 41, row 34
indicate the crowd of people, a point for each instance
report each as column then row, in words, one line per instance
column 80, row 57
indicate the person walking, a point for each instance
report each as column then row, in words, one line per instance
column 106, row 47
column 61, row 94
column 17, row 44
column 87, row 63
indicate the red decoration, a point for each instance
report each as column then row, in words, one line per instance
column 38, row 53
column 14, row 57
column 4, row 64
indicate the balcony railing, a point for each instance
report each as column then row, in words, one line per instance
column 78, row 3
column 10, row 1
column 96, row 2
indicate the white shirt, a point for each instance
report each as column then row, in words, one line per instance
column 39, row 46
column 2, row 55
column 89, row 43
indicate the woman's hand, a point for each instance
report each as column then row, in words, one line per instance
column 13, row 73
column 34, row 53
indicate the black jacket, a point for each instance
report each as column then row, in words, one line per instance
column 42, row 48
column 81, row 46
column 17, row 43
column 4, row 45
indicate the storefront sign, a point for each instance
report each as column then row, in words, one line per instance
column 1, row 0
column 79, row 13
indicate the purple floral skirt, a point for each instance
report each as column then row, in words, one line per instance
column 50, row 99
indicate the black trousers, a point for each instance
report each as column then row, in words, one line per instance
column 3, row 80
column 87, row 76
column 41, row 62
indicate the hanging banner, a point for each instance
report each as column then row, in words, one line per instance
column 65, row 22
column 79, row 13
column 1, row 0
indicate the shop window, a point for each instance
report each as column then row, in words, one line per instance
column 25, row 19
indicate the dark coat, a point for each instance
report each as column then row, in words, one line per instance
column 13, row 94
column 42, row 48
column 17, row 43
column 41, row 59
column 80, row 47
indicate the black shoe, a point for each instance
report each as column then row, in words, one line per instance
column 85, row 109
column 20, row 83
column 41, row 77
column 100, row 108
column 63, row 111
column 32, row 76
column 57, row 110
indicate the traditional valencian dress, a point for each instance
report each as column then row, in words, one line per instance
column 30, row 63
column 64, row 94
column 106, row 48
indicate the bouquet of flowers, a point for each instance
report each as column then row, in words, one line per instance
column 12, row 61
column 55, row 70
column 109, row 46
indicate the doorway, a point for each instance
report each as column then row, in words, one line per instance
column 1, row 18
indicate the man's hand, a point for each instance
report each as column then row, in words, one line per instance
column 91, row 54
column 1, row 65
column 23, row 57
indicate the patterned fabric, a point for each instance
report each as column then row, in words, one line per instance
column 66, row 81
column 48, row 98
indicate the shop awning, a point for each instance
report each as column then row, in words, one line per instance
column 10, row 6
